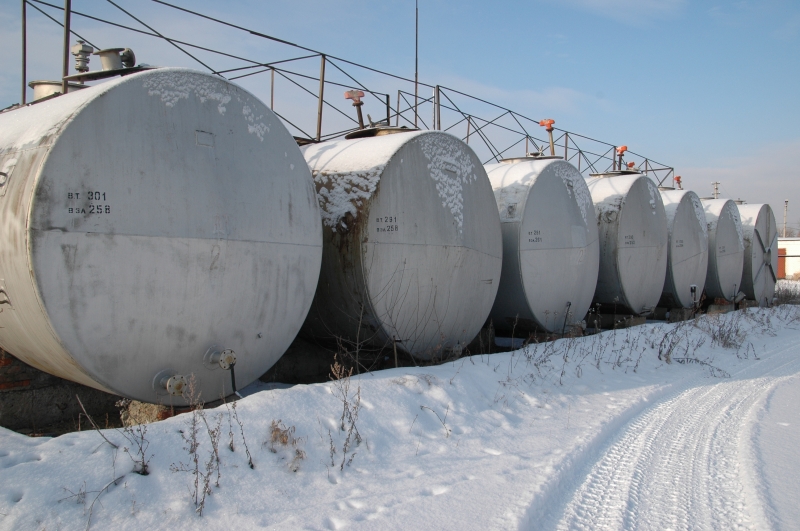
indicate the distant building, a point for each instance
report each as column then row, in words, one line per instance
column 789, row 258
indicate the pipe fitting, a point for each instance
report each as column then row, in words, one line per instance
column 216, row 357
column 173, row 384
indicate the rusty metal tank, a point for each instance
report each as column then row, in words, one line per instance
column 412, row 246
column 632, row 227
column 550, row 245
column 760, row 232
column 687, row 259
column 725, row 249
column 155, row 228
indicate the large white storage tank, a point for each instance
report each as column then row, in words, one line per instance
column 550, row 245
column 412, row 246
column 760, row 253
column 725, row 249
column 151, row 224
column 632, row 228
column 687, row 262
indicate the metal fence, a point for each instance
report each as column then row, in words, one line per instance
column 304, row 91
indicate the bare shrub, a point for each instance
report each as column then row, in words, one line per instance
column 284, row 437
column 724, row 330
column 787, row 292
column 135, row 431
column 202, row 469
column 442, row 420
column 80, row 497
column 351, row 405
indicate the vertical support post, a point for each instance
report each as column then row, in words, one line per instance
column 24, row 51
column 388, row 112
column 272, row 89
column 433, row 118
column 321, row 95
column 416, row 62
column 469, row 122
column 397, row 120
column 580, row 155
column 394, row 347
column 566, row 145
column 437, row 116
column 526, row 145
column 65, row 66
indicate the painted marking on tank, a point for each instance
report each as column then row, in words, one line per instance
column 630, row 240
column 390, row 224
column 535, row 236
column 90, row 208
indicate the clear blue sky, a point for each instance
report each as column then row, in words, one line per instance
column 707, row 87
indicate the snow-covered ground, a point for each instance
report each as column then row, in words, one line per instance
column 587, row 433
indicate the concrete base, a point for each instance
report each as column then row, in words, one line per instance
column 306, row 362
column 721, row 308
column 607, row 321
column 483, row 342
column 673, row 315
column 37, row 403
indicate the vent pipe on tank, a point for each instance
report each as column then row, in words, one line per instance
column 356, row 96
column 547, row 123
column 116, row 58
column 620, row 152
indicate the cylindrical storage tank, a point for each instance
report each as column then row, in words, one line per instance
column 725, row 249
column 687, row 261
column 632, row 228
column 411, row 242
column 156, row 227
column 550, row 245
column 760, row 253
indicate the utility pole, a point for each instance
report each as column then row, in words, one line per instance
column 785, row 211
column 416, row 61
column 65, row 66
column 24, row 51
column 716, row 184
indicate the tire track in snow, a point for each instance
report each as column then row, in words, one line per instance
column 676, row 465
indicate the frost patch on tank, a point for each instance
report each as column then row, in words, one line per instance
column 452, row 168
column 259, row 128
column 576, row 186
column 734, row 216
column 175, row 86
column 700, row 215
column 511, row 194
column 342, row 193
column 653, row 192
